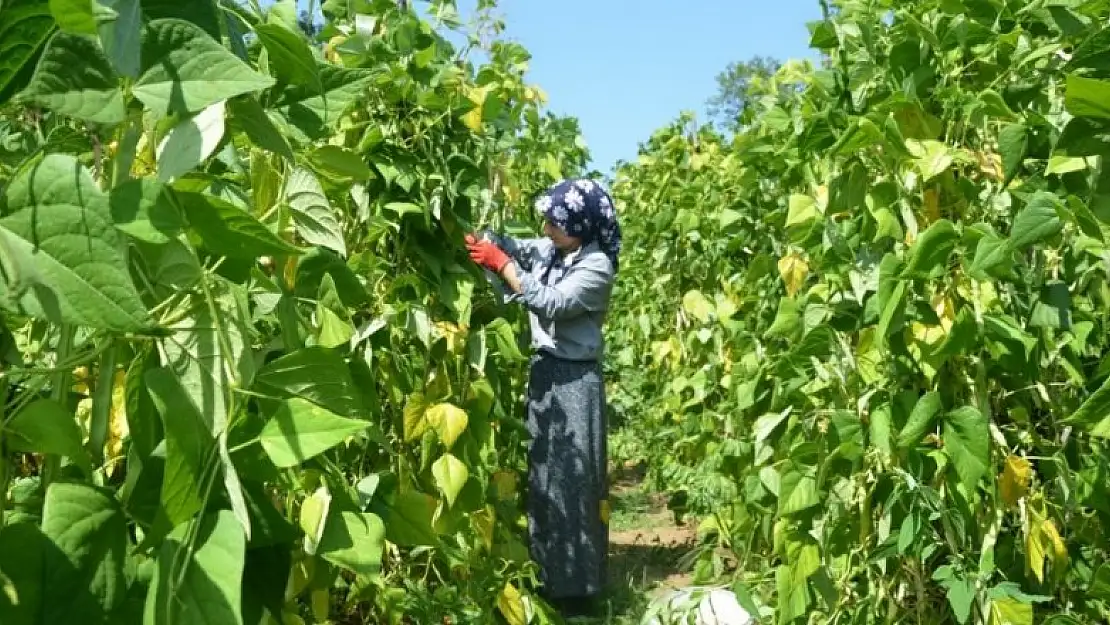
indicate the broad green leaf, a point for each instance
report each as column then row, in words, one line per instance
column 1087, row 97
column 196, row 587
column 1100, row 583
column 1061, row 164
column 312, row 113
column 59, row 229
column 1093, row 415
column 203, row 13
column 74, row 78
column 932, row 158
column 25, row 25
column 232, row 486
column 195, row 353
column 920, row 419
column 315, row 512
column 961, row 596
column 340, row 164
column 120, row 25
column 301, row 430
column 289, row 55
column 44, row 427
column 23, row 550
column 409, row 520
column 993, row 257
column 797, row 492
column 1013, row 143
column 315, row 374
column 229, row 230
column 354, row 541
column 84, row 579
column 1036, row 222
column 932, row 248
column 881, row 429
column 191, row 142
column 450, row 475
column 246, row 114
column 142, row 209
column 186, row 71
column 802, row 210
column 74, row 16
column 967, row 441
column 313, row 216
column 189, row 446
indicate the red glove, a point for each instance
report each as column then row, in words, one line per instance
column 486, row 254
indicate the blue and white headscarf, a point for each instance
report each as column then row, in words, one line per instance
column 583, row 209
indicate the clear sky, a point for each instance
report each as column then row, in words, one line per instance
column 625, row 68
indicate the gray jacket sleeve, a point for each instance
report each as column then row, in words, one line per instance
column 584, row 289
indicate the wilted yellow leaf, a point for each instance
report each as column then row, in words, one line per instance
column 990, row 164
column 511, row 605
column 1014, row 483
column 1043, row 542
column 477, row 95
column 415, row 417
column 483, row 521
column 945, row 309
column 931, row 210
column 793, row 269
column 448, row 420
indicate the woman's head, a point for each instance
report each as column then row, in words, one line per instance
column 579, row 212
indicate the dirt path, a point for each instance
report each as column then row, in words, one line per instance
column 646, row 547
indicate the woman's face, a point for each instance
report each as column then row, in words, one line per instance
column 563, row 242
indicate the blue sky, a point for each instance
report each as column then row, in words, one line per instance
column 625, row 68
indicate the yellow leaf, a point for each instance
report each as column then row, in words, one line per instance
column 946, row 310
column 931, row 212
column 1043, row 542
column 483, row 521
column 415, row 417
column 1059, row 553
column 511, row 605
column 1014, row 482
column 698, row 305
column 477, row 95
column 793, row 269
column 448, row 420
column 605, row 512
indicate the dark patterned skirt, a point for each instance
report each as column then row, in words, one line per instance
column 567, row 482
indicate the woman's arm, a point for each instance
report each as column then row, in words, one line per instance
column 585, row 288
column 523, row 251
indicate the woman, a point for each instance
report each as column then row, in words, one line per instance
column 565, row 281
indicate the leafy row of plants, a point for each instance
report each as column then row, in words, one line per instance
column 249, row 375
column 864, row 338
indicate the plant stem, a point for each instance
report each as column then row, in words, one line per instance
column 52, row 462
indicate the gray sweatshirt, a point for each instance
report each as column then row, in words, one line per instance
column 566, row 313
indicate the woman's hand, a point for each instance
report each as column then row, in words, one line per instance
column 486, row 254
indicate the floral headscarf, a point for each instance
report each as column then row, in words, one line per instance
column 582, row 208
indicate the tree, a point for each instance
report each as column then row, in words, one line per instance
column 730, row 107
